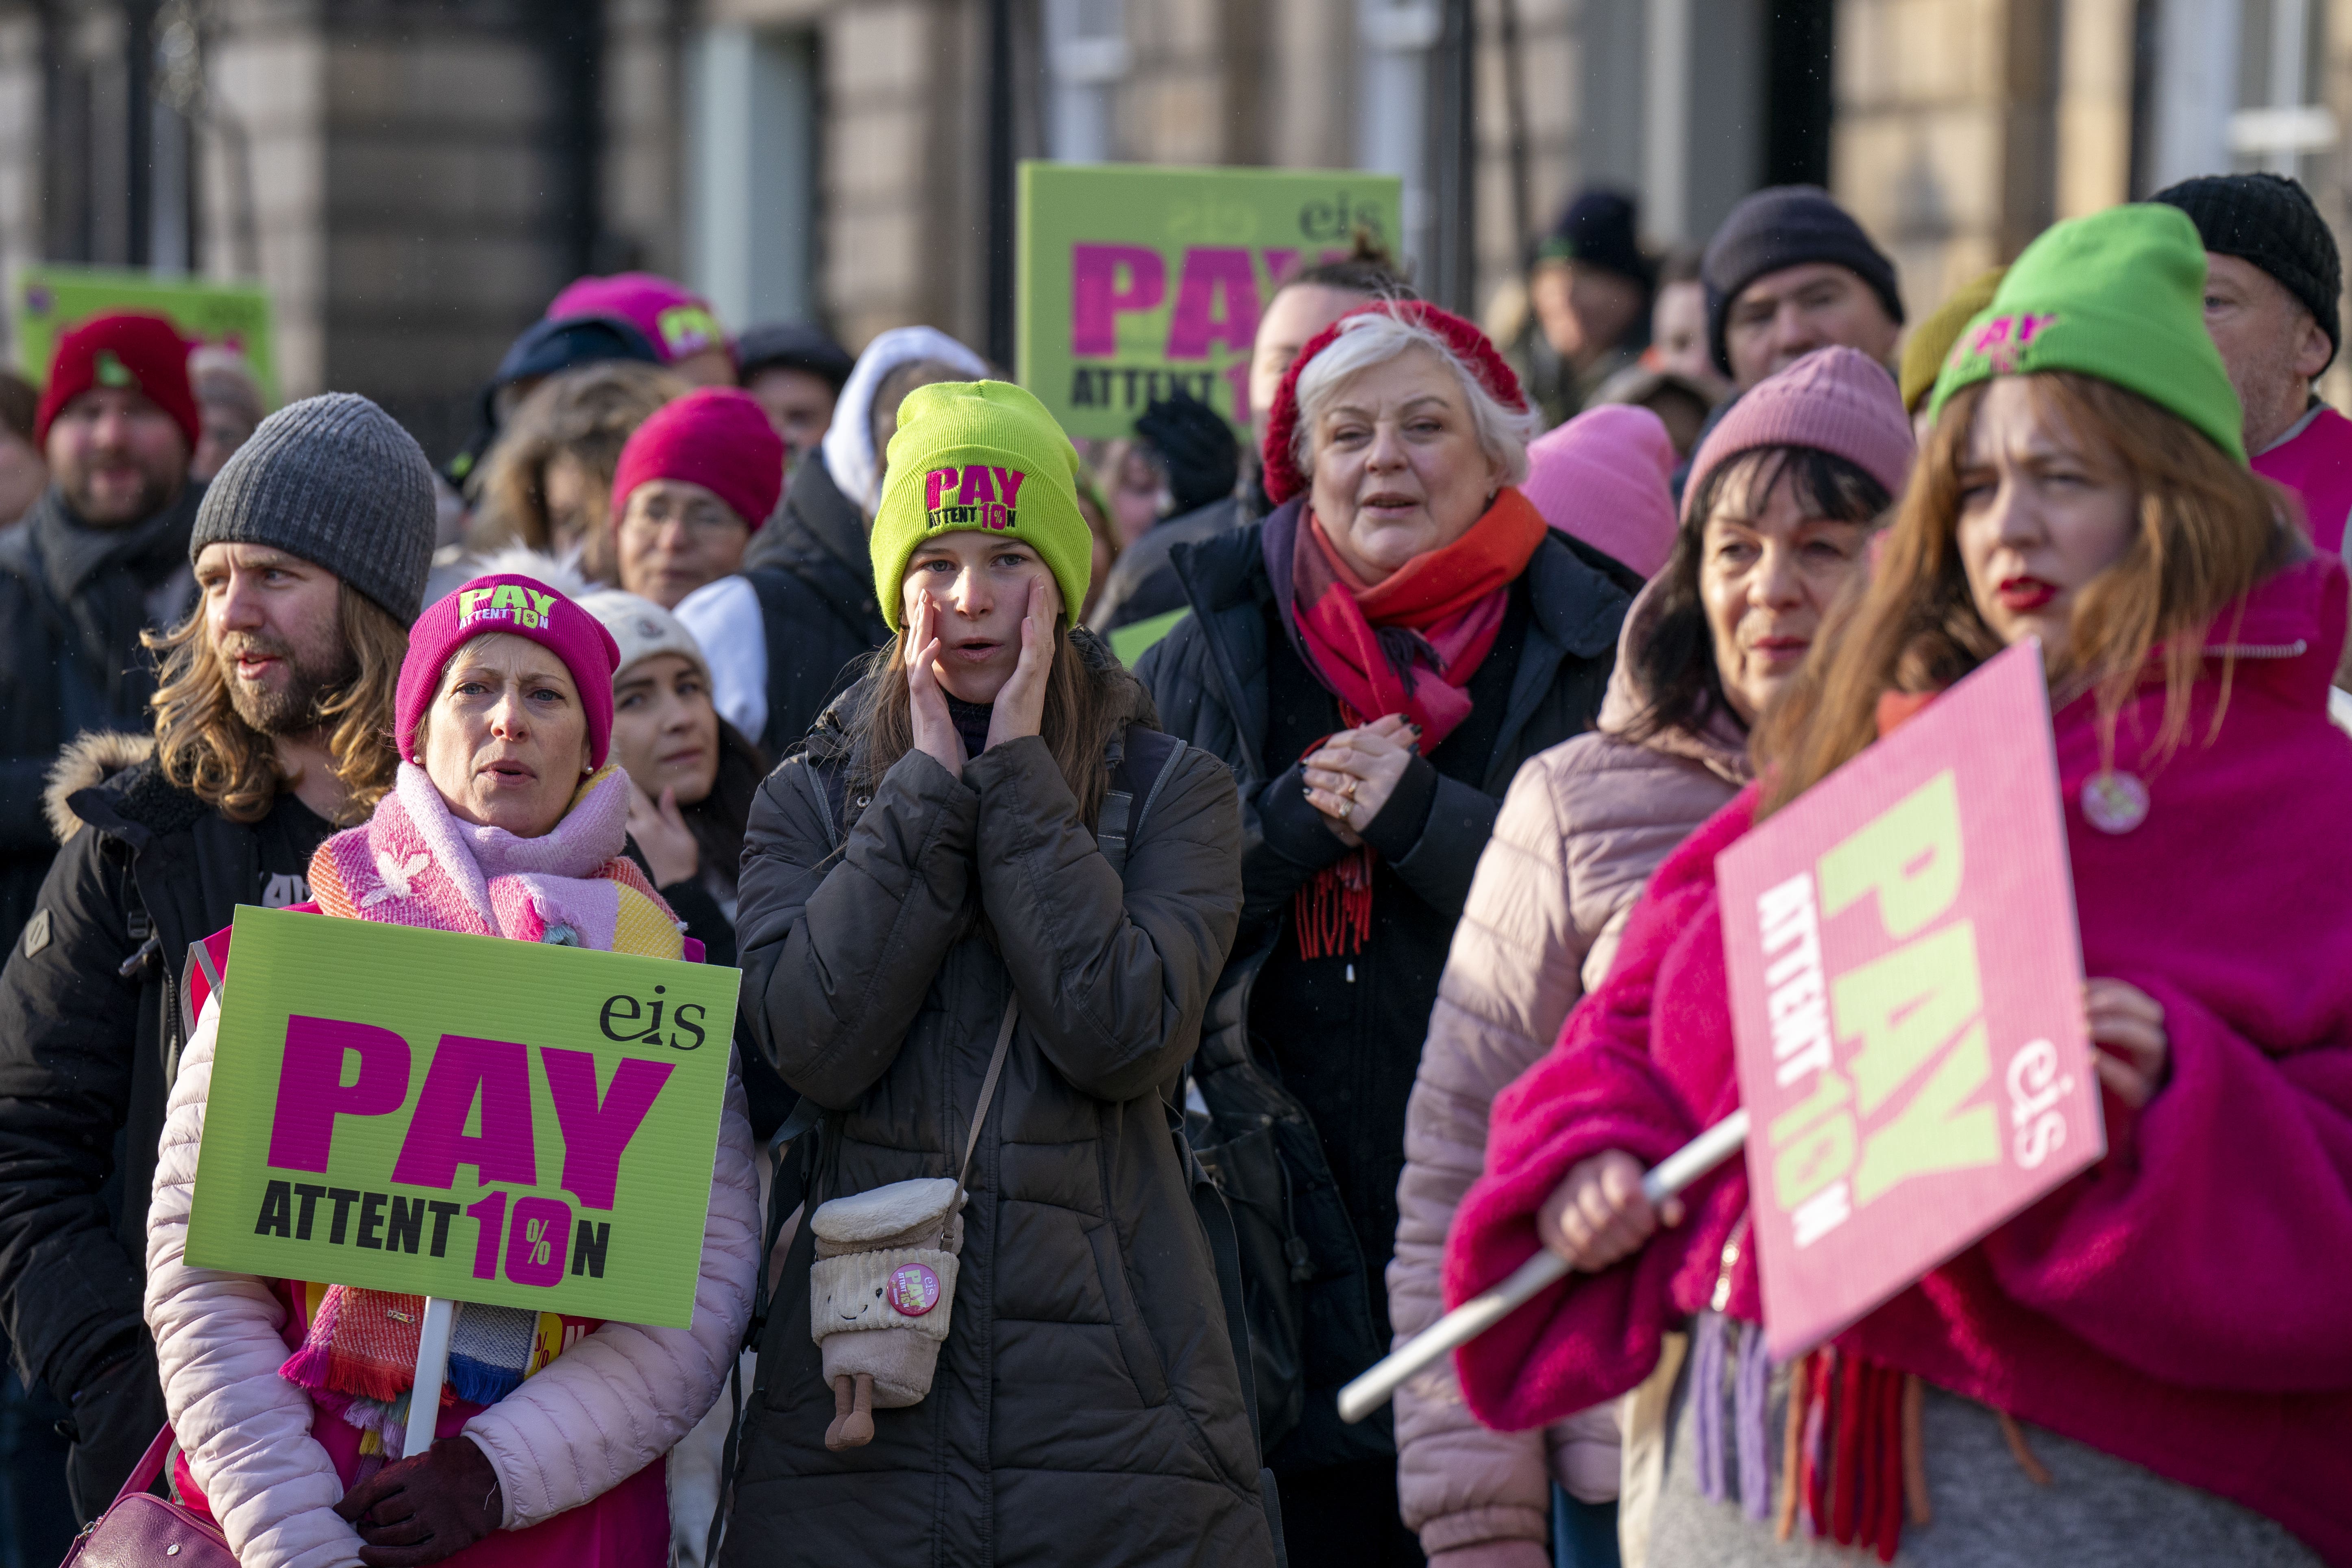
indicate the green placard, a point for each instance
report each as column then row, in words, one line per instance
column 1136, row 282
column 50, row 299
column 462, row 1115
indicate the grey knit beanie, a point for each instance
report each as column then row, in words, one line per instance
column 335, row 480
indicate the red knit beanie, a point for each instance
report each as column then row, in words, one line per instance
column 1283, row 478
column 520, row 606
column 718, row 437
column 124, row 349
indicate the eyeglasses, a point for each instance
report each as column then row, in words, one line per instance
column 700, row 518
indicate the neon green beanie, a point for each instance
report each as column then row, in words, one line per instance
column 980, row 454
column 2119, row 295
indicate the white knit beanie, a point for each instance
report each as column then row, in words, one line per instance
column 643, row 629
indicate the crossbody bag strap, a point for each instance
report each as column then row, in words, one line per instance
column 988, row 1084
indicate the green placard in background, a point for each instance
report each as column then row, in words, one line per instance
column 463, row 1116
column 1136, row 282
column 50, row 299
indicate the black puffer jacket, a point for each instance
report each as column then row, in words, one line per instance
column 1307, row 1064
column 1086, row 1408
column 73, row 600
column 815, row 585
column 90, row 1033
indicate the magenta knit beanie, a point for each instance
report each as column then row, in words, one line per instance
column 717, row 438
column 675, row 319
column 524, row 607
column 1604, row 477
column 1837, row 400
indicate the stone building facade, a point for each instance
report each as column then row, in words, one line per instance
column 412, row 179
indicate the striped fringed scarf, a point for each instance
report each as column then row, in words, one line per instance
column 1851, row 1464
column 358, row 1359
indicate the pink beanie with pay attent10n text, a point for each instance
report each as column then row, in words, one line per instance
column 518, row 606
column 1604, row 477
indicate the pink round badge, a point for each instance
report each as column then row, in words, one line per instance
column 914, row 1290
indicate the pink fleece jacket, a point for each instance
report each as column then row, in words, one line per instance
column 1583, row 827
column 2183, row 1304
column 2316, row 465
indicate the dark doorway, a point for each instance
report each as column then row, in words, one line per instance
column 1798, row 98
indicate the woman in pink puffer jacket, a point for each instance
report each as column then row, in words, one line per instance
column 507, row 821
column 1781, row 499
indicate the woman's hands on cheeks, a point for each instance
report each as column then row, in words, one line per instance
column 1351, row 775
column 1020, row 708
column 1597, row 1215
column 935, row 731
column 2129, row 1045
column 661, row 832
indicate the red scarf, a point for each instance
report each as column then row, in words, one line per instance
column 1376, row 647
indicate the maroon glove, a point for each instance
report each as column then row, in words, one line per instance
column 425, row 1508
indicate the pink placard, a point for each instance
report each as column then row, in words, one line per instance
column 1907, row 996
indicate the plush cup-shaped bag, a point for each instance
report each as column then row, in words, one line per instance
column 883, row 1290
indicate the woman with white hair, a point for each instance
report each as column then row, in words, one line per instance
column 1374, row 661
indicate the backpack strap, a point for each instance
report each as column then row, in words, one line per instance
column 1147, row 759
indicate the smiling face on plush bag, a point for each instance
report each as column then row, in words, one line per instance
column 881, row 1295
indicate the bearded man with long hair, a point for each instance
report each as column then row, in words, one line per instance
column 273, row 718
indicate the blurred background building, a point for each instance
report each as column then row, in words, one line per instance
column 414, row 179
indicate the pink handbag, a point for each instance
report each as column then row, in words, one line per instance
column 139, row 1530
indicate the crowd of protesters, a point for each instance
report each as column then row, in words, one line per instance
column 1246, row 898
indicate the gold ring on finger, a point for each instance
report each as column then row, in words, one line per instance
column 1350, row 790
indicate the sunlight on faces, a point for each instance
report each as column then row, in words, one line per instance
column 675, row 537
column 1398, row 467
column 2042, row 513
column 1584, row 310
column 1769, row 568
column 2271, row 346
column 665, row 731
column 1784, row 316
column 117, row 456
column 976, row 584
column 798, row 403
column 505, row 741
column 577, row 499
column 275, row 623
column 1292, row 319
column 1678, row 333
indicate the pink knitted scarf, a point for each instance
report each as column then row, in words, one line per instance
column 415, row 864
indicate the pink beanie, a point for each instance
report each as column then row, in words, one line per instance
column 717, row 438
column 524, row 607
column 1836, row 400
column 1604, row 476
column 675, row 320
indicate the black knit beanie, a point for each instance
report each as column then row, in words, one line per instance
column 1598, row 229
column 1196, row 447
column 2268, row 220
column 1787, row 225
column 335, row 480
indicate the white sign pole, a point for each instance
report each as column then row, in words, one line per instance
column 1484, row 1311
column 432, row 1370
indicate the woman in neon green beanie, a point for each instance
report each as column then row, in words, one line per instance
column 981, row 912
